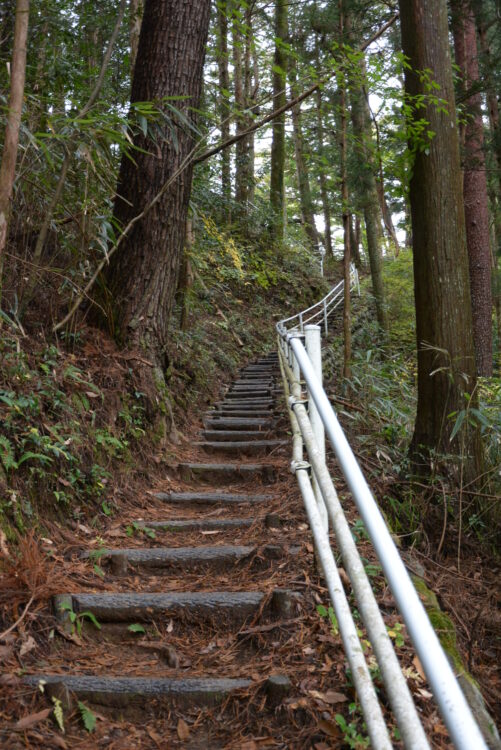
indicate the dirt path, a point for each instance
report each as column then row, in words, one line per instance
column 197, row 619
column 190, row 623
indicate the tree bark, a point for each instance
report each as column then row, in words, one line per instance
column 303, row 178
column 242, row 73
column 495, row 195
column 136, row 14
column 185, row 277
column 345, row 209
column 446, row 357
column 475, row 188
column 366, row 169
column 277, row 185
column 369, row 201
column 224, row 107
column 142, row 276
column 322, row 177
column 355, row 240
column 250, row 92
column 15, row 104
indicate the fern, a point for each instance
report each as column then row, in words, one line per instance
column 7, row 454
column 58, row 713
column 88, row 718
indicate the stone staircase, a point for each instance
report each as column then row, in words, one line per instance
column 195, row 589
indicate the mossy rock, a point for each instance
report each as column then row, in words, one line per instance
column 446, row 632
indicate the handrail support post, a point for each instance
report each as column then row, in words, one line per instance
column 313, row 345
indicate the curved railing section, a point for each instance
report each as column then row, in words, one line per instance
column 320, row 312
column 311, row 415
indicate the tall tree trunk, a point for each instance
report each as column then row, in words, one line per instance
column 383, row 203
column 322, row 178
column 386, row 213
column 303, row 178
column 250, row 93
column 142, row 276
column 345, row 209
column 446, row 356
column 242, row 74
column 355, row 240
column 277, row 185
column 136, row 14
column 492, row 97
column 224, row 106
column 369, row 200
column 13, row 124
column 185, row 277
column 495, row 132
column 346, row 239
column 366, row 169
column 475, row 188
column 38, row 115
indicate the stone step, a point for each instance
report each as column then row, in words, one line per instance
column 197, row 524
column 129, row 606
column 255, row 382
column 232, row 399
column 254, row 378
column 272, row 389
column 230, row 435
column 245, row 447
column 228, row 472
column 238, row 411
column 156, row 558
column 143, row 692
column 257, row 394
column 215, row 421
column 212, row 498
column 264, row 370
column 267, row 407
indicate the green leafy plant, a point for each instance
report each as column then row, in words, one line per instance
column 77, row 619
column 351, row 734
column 135, row 627
column 330, row 614
column 395, row 632
column 88, row 718
column 359, row 531
column 139, row 528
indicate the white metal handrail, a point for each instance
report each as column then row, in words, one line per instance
column 320, row 311
column 322, row 505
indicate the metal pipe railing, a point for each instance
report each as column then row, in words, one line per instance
column 320, row 311
column 395, row 683
column 453, row 706
column 364, row 686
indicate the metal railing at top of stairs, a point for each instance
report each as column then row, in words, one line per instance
column 319, row 312
column 311, row 416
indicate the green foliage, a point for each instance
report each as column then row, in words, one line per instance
column 351, row 732
column 485, row 415
column 329, row 614
column 139, row 528
column 136, row 628
column 88, row 718
column 399, row 286
column 395, row 633
column 77, row 619
column 358, row 531
column 54, row 441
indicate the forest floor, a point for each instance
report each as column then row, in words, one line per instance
column 320, row 712
column 87, row 467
